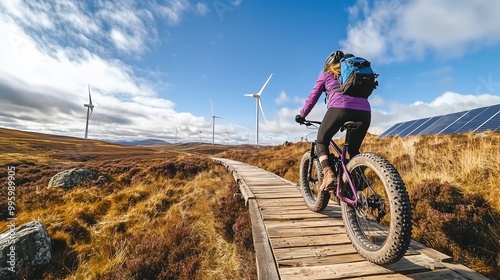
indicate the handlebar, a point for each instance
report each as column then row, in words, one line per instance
column 310, row 123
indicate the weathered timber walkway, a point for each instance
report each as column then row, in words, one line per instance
column 292, row 242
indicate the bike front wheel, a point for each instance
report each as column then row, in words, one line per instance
column 310, row 181
column 379, row 226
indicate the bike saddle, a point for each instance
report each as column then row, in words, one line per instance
column 350, row 125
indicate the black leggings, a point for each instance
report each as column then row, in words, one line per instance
column 333, row 121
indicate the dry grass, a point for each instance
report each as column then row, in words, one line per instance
column 452, row 181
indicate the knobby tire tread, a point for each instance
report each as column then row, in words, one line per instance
column 399, row 236
column 319, row 203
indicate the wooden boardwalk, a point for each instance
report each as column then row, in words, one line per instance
column 292, row 242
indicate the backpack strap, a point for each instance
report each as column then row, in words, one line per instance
column 335, row 89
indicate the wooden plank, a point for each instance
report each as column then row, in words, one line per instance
column 296, row 216
column 291, row 232
column 282, row 188
column 273, row 190
column 333, row 271
column 386, row 276
column 303, row 241
column 281, row 207
column 324, row 260
column 430, row 252
column 327, row 213
column 266, row 182
column 245, row 191
column 313, row 251
column 435, row 275
column 277, row 196
column 464, row 271
column 414, row 263
column 282, row 202
column 259, row 174
column 303, row 223
column 357, row 270
column 266, row 265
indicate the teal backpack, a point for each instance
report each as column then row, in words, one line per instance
column 357, row 77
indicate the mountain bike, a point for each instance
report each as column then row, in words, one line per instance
column 374, row 201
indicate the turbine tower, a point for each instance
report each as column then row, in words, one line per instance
column 90, row 109
column 213, row 122
column 258, row 104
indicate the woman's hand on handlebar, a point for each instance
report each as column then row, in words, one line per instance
column 300, row 119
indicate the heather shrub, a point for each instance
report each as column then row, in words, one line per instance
column 181, row 167
column 228, row 210
column 461, row 225
column 234, row 224
column 172, row 254
column 64, row 259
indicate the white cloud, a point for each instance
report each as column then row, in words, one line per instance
column 43, row 82
column 126, row 25
column 174, row 10
column 282, row 98
column 201, row 8
column 130, row 27
column 396, row 31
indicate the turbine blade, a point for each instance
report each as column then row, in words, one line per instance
column 212, row 107
column 210, row 124
column 248, row 94
column 262, row 89
column 90, row 97
column 91, row 110
column 262, row 110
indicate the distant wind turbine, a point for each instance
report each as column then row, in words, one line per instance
column 90, row 109
column 176, row 132
column 213, row 122
column 200, row 136
column 258, row 104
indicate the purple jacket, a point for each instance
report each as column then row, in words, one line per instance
column 335, row 99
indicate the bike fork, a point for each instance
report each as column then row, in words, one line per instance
column 313, row 156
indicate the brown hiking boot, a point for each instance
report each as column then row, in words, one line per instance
column 328, row 179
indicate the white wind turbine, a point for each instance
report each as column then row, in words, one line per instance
column 90, row 109
column 176, row 132
column 213, row 122
column 258, row 104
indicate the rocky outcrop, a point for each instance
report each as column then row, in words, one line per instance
column 24, row 249
column 69, row 178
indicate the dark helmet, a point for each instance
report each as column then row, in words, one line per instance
column 334, row 57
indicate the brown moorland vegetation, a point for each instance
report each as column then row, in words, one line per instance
column 162, row 214
column 452, row 181
column 171, row 207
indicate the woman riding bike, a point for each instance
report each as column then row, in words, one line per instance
column 340, row 109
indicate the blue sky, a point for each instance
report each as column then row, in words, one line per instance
column 154, row 66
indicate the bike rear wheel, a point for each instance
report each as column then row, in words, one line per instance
column 310, row 182
column 379, row 227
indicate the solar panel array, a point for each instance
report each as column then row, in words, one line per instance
column 475, row 120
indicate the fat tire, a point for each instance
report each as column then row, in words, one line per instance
column 399, row 232
column 315, row 202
